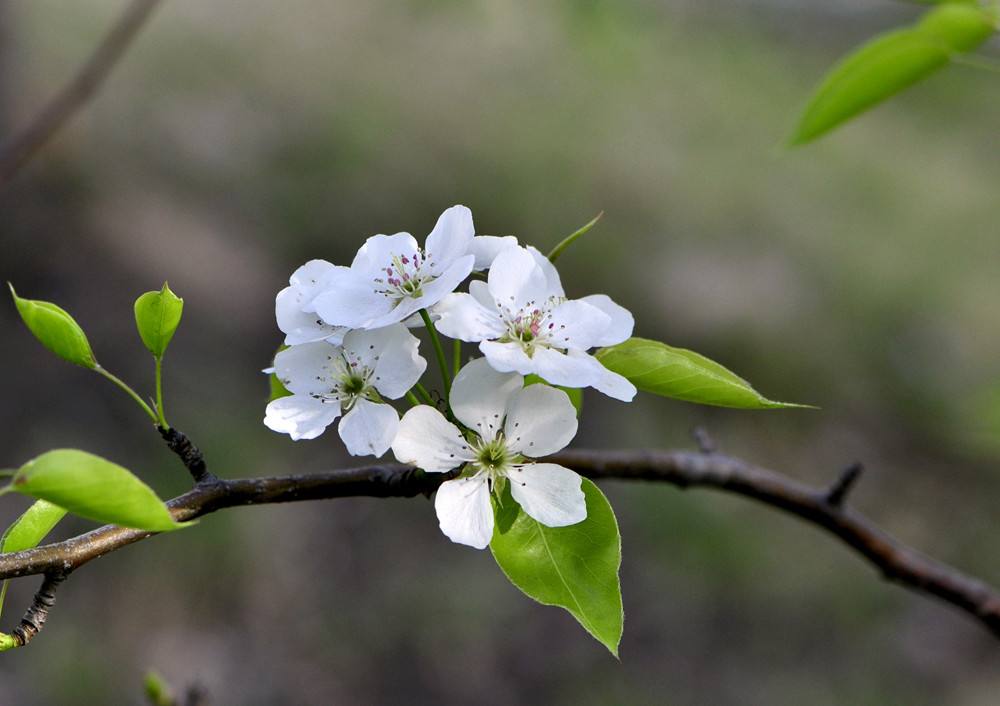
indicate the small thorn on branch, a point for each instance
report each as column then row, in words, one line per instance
column 704, row 440
column 837, row 493
column 190, row 455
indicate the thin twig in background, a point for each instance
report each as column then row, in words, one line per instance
column 685, row 469
column 20, row 148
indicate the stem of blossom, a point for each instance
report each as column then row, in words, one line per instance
column 422, row 391
column 130, row 392
column 568, row 240
column 412, row 399
column 438, row 351
column 456, row 357
column 159, row 393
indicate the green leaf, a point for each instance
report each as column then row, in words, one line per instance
column 890, row 63
column 571, row 238
column 277, row 389
column 28, row 530
column 682, row 374
column 55, row 329
column 157, row 691
column 575, row 393
column 573, row 567
column 157, row 316
column 94, row 488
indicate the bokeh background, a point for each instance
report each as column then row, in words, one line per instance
column 240, row 138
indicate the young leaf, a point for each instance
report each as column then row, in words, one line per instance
column 277, row 389
column 571, row 238
column 55, row 329
column 575, row 394
column 573, row 567
column 94, row 488
column 890, row 63
column 28, row 530
column 157, row 315
column 682, row 374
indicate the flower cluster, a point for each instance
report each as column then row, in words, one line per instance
column 349, row 350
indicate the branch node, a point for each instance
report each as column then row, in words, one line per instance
column 190, row 455
column 836, row 494
column 706, row 444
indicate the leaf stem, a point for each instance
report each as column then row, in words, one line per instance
column 159, row 392
column 129, row 391
column 456, row 357
column 438, row 350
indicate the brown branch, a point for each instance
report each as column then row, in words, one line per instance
column 34, row 618
column 19, row 149
column 684, row 469
column 190, row 455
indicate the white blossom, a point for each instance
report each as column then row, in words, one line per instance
column 524, row 323
column 392, row 278
column 510, row 424
column 293, row 307
column 328, row 380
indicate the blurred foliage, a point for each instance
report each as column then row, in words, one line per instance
column 240, row 139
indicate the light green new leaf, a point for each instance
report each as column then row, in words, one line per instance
column 573, row 567
column 157, row 316
column 94, row 488
column 575, row 393
column 892, row 62
column 571, row 238
column 682, row 374
column 55, row 329
column 28, row 530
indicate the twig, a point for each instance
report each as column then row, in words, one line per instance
column 19, row 149
column 837, row 493
column 34, row 618
column 684, row 469
column 189, row 454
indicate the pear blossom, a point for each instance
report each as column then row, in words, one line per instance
column 293, row 307
column 328, row 380
column 524, row 323
column 392, row 278
column 509, row 426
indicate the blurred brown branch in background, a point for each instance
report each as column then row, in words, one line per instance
column 16, row 151
column 822, row 507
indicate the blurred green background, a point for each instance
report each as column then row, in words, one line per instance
column 240, row 138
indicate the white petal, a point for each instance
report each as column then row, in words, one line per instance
column 461, row 316
column 479, row 396
column 299, row 326
column 377, row 253
column 399, row 365
column 540, row 421
column 369, row 428
column 301, row 416
column 622, row 321
column 487, row 247
column 611, row 384
column 575, row 324
column 508, row 357
column 464, row 511
column 451, row 238
column 549, row 493
column 312, row 368
column 429, row 441
column 480, row 291
column 553, row 284
column 516, row 281
column 560, row 369
column 350, row 300
column 310, row 280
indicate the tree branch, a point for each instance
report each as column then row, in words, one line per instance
column 821, row 507
column 19, row 149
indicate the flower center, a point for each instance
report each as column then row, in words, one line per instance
column 405, row 276
column 529, row 326
column 492, row 456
